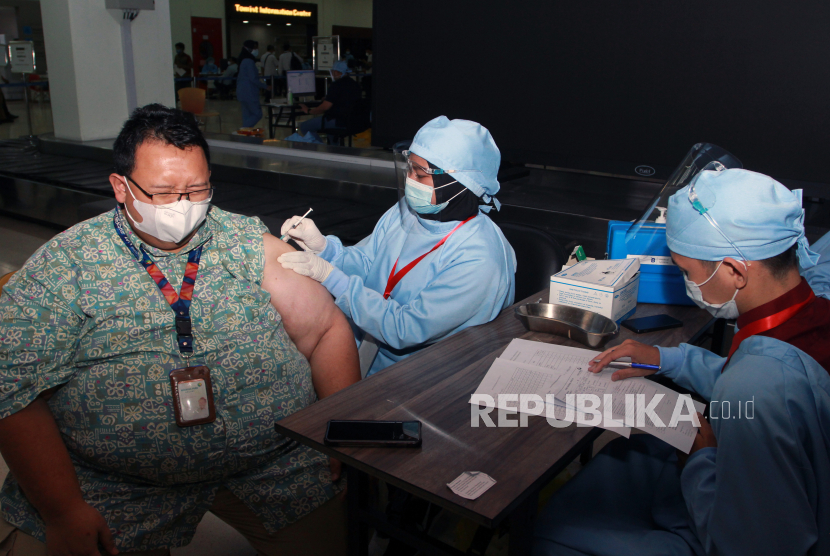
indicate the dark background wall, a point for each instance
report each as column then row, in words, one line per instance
column 610, row 85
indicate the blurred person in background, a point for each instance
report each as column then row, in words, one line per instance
column 226, row 85
column 248, row 84
column 210, row 69
column 182, row 66
column 342, row 96
column 5, row 115
column 270, row 64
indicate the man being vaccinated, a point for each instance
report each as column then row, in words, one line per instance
column 757, row 480
column 435, row 262
column 145, row 355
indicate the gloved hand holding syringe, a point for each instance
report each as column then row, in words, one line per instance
column 304, row 233
column 284, row 236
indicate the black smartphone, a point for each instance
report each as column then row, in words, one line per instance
column 652, row 323
column 391, row 434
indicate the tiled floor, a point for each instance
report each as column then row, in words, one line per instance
column 41, row 119
column 229, row 110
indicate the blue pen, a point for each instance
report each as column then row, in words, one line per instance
column 624, row 365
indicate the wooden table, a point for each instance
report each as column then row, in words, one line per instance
column 288, row 112
column 434, row 387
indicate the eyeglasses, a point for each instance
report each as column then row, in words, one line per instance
column 703, row 201
column 199, row 196
column 412, row 166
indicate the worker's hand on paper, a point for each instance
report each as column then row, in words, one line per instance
column 306, row 234
column 639, row 353
column 705, row 437
column 307, row 264
column 336, row 469
column 304, row 108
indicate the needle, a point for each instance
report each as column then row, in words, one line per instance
column 285, row 235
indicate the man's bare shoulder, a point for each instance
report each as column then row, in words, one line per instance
column 283, row 283
column 307, row 309
column 273, row 247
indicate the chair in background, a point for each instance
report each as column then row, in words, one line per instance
column 358, row 121
column 538, row 257
column 4, row 280
column 38, row 92
column 193, row 100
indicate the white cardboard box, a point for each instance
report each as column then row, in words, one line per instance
column 608, row 288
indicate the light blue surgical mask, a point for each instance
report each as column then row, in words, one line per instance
column 726, row 310
column 255, row 51
column 419, row 197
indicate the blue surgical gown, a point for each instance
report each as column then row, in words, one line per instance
column 248, row 83
column 765, row 490
column 819, row 276
column 467, row 281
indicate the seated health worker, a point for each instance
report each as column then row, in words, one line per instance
column 757, row 480
column 105, row 320
column 338, row 104
column 435, row 262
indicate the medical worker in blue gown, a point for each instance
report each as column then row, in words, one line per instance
column 435, row 262
column 757, row 481
column 248, row 84
column 819, row 275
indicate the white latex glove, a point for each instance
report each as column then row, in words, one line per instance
column 307, row 264
column 306, row 234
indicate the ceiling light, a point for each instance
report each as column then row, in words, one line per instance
column 244, row 22
column 268, row 24
column 288, row 25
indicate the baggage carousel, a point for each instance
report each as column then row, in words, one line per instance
column 62, row 182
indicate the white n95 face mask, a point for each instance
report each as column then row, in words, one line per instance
column 168, row 222
column 726, row 310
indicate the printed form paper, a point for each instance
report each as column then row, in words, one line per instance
column 471, row 484
column 567, row 373
column 507, row 377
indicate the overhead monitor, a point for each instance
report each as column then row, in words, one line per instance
column 301, row 82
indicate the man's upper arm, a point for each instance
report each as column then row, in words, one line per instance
column 307, row 309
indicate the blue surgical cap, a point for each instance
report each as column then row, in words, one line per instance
column 461, row 145
column 342, row 66
column 759, row 215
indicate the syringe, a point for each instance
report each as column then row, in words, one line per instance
column 284, row 236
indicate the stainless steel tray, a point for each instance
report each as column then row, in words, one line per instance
column 580, row 325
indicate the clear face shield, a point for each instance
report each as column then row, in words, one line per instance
column 417, row 171
column 702, row 156
column 703, row 199
column 408, row 216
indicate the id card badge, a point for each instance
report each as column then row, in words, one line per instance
column 192, row 396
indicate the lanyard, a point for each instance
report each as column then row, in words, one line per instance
column 767, row 323
column 395, row 278
column 180, row 303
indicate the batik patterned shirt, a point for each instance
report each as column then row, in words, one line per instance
column 83, row 315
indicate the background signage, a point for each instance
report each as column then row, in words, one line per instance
column 22, row 56
column 265, row 10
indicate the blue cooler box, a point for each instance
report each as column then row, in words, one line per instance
column 660, row 280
